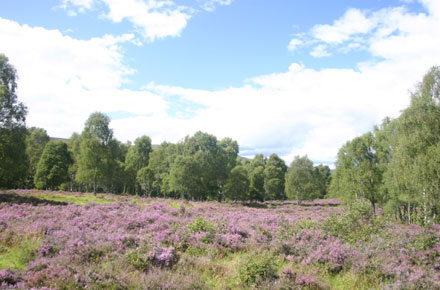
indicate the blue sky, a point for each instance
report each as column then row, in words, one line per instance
column 291, row 77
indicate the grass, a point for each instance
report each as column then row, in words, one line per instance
column 19, row 254
column 83, row 199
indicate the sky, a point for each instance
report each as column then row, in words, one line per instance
column 290, row 77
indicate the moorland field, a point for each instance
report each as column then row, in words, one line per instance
column 60, row 240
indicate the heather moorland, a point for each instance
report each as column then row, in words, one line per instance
column 61, row 240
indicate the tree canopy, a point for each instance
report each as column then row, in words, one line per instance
column 13, row 161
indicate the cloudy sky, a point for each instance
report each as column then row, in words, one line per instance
column 291, row 77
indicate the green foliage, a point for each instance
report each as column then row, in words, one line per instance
column 237, row 186
column 357, row 224
column 96, row 160
column 137, row 158
column 257, row 267
column 82, row 199
column 12, row 113
column 139, row 154
column 301, row 183
column 186, row 176
column 145, row 179
column 274, row 178
column 19, row 253
column 358, row 171
column 52, row 169
column 36, row 139
column 138, row 260
column 13, row 161
column 256, row 183
column 200, row 225
column 398, row 164
column 425, row 241
column 323, row 179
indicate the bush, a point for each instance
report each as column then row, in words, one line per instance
column 137, row 260
column 200, row 225
column 163, row 257
column 257, row 267
column 425, row 241
column 357, row 224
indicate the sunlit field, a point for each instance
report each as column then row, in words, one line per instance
column 63, row 240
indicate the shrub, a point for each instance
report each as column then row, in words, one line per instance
column 163, row 257
column 200, row 225
column 257, row 267
column 425, row 241
column 357, row 224
column 8, row 277
column 137, row 260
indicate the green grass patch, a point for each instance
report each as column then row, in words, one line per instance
column 349, row 280
column 18, row 255
column 83, row 199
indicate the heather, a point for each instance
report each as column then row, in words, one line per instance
column 139, row 243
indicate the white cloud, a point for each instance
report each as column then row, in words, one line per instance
column 320, row 51
column 294, row 43
column 209, row 5
column 154, row 19
column 353, row 22
column 62, row 79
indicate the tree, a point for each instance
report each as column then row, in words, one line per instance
column 300, row 180
column 36, row 140
column 323, row 178
column 95, row 160
column 225, row 161
column 145, row 178
column 138, row 156
column 161, row 161
column 358, row 170
column 52, row 169
column 256, row 187
column 13, row 165
column 274, row 178
column 186, row 176
column 412, row 178
column 237, row 186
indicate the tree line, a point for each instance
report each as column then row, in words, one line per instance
column 397, row 165
column 199, row 167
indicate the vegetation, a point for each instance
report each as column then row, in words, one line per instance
column 13, row 162
column 78, row 240
column 396, row 166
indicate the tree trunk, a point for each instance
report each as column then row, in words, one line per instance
column 373, row 205
column 94, row 183
column 425, row 219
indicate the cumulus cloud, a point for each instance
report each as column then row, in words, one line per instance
column 154, row 19
column 294, row 44
column 320, row 51
column 353, row 22
column 62, row 79
column 209, row 5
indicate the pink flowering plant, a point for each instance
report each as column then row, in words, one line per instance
column 150, row 243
